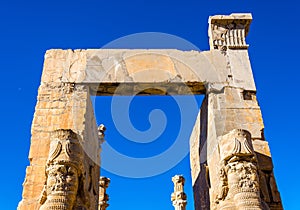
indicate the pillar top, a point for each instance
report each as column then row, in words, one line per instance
column 229, row 31
column 178, row 178
column 232, row 16
column 104, row 181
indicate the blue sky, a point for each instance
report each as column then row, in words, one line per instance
column 29, row 28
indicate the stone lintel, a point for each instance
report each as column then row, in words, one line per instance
column 232, row 18
column 155, row 72
column 159, row 88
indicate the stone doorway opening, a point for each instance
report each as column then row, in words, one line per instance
column 147, row 114
column 227, row 138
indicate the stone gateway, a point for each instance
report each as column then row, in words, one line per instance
column 230, row 159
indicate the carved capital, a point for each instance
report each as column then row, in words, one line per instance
column 229, row 31
column 236, row 144
column 104, row 182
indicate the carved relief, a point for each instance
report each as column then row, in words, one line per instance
column 68, row 87
column 64, row 167
column 223, row 186
column 231, row 36
column 229, row 31
column 238, row 177
column 178, row 197
column 103, row 197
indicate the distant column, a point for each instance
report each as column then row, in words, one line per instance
column 103, row 197
column 101, row 129
column 178, row 197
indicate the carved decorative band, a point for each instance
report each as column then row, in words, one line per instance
column 245, row 196
column 229, row 31
column 236, row 189
column 63, row 134
column 58, row 200
column 255, row 204
column 57, row 207
column 231, row 38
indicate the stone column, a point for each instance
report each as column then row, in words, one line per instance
column 103, row 181
column 103, row 197
column 178, row 197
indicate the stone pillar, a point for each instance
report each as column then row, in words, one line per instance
column 178, row 197
column 244, row 176
column 103, row 197
column 222, row 114
column 62, row 106
column 199, row 168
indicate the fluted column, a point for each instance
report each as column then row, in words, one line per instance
column 178, row 197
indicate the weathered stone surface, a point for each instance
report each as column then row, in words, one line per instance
column 63, row 188
column 103, row 197
column 238, row 186
column 178, row 197
column 229, row 31
column 221, row 113
column 61, row 106
column 229, row 111
column 233, row 106
column 126, row 72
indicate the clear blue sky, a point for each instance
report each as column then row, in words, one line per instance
column 29, row 28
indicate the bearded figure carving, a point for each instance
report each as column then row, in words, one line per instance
column 63, row 172
column 239, row 183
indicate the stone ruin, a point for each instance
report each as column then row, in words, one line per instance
column 178, row 197
column 231, row 164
